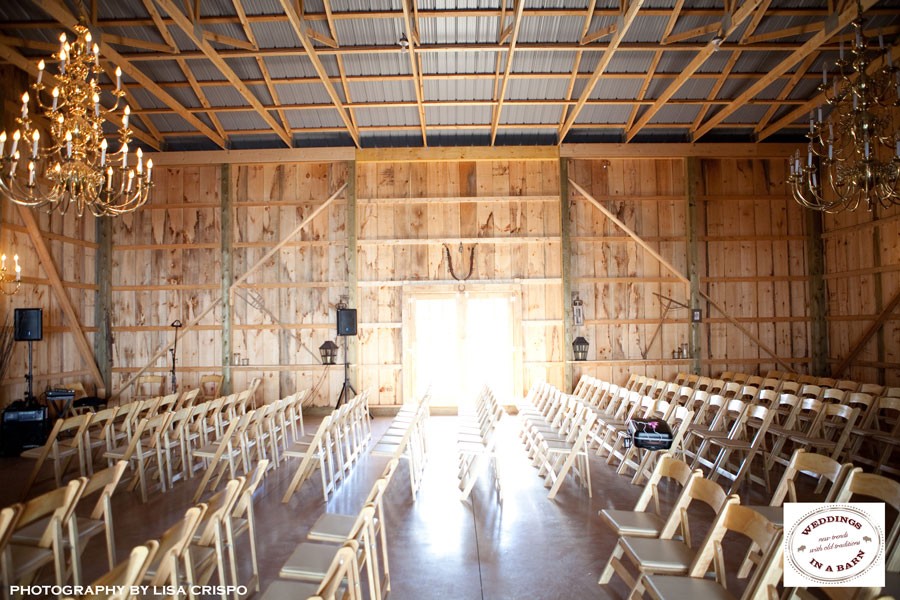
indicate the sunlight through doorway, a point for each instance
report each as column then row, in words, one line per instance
column 454, row 342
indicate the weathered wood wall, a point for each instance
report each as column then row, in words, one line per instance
column 508, row 210
column 70, row 242
column 862, row 275
column 751, row 248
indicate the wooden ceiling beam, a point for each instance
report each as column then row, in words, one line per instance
column 342, row 73
column 201, row 97
column 799, row 73
column 735, row 21
column 833, row 27
column 227, row 40
column 415, row 70
column 761, row 11
column 692, row 33
column 27, row 65
column 145, row 120
column 300, row 31
column 623, row 23
column 598, row 35
column 67, row 19
column 783, row 33
column 576, row 66
column 672, row 21
column 189, row 30
column 261, row 63
column 642, row 93
column 510, row 52
column 141, row 44
column 717, row 87
column 160, row 24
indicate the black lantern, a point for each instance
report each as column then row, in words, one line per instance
column 329, row 352
column 580, row 347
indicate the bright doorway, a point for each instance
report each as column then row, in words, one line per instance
column 454, row 342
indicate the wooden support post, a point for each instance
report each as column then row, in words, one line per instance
column 678, row 275
column 103, row 266
column 878, row 288
column 692, row 178
column 352, row 272
column 43, row 253
column 566, row 269
column 226, row 218
column 818, row 305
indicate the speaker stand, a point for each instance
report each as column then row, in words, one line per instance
column 347, row 387
column 29, row 396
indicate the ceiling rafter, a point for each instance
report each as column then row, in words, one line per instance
column 783, row 33
column 731, row 22
column 623, row 23
column 297, row 25
column 342, row 73
column 799, row 73
column 585, row 27
column 201, row 97
column 67, row 19
column 227, row 40
column 813, row 44
column 504, row 84
column 673, row 20
column 261, row 63
column 160, row 25
column 134, row 104
column 189, row 30
column 755, row 20
column 642, row 93
column 414, row 67
column 693, row 33
column 717, row 87
column 119, row 40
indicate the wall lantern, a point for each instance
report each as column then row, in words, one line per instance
column 328, row 350
column 580, row 346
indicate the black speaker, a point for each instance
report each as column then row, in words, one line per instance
column 346, row 321
column 27, row 324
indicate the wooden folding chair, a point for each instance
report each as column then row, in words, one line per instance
column 98, row 436
column 21, row 561
column 878, row 487
column 65, row 442
column 144, row 450
column 242, row 520
column 745, row 522
column 747, row 443
column 148, row 386
column 310, row 560
column 340, row 582
column 225, row 452
column 312, row 456
column 119, row 580
column 557, row 458
column 169, row 567
column 209, row 546
column 665, row 554
column 211, row 386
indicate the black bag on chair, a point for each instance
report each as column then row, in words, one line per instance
column 650, row 434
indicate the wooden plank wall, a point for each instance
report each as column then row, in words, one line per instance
column 754, row 250
column 407, row 211
column 751, row 248
column 616, row 279
column 862, row 274
column 286, row 309
column 70, row 241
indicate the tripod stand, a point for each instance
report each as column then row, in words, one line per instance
column 29, row 396
column 176, row 324
column 344, row 396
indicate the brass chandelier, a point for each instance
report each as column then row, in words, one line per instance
column 75, row 164
column 853, row 155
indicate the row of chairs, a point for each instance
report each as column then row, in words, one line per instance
column 405, row 439
column 846, row 385
column 335, row 540
column 655, row 542
column 341, row 439
column 556, row 430
column 90, row 437
column 476, row 442
column 266, row 432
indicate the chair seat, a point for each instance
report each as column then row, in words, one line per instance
column 31, row 534
column 332, row 527
column 26, row 559
column 290, row 590
column 775, row 514
column 655, row 556
column 633, row 523
column 671, row 586
column 36, row 453
column 309, row 561
column 811, row 441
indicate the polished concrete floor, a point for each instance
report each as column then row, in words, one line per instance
column 525, row 546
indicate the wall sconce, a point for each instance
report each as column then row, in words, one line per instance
column 328, row 350
column 577, row 309
column 580, row 347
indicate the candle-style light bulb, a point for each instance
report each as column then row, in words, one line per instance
column 109, row 173
column 140, row 163
column 41, row 67
column 55, row 99
column 103, row 147
column 25, row 99
column 125, row 117
column 2, row 143
column 150, row 162
column 35, row 138
column 30, row 172
column 16, row 137
column 124, row 156
column 96, row 55
column 3, row 262
column 96, row 100
column 69, row 144
column 130, row 180
column 118, row 78
column 18, row 268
